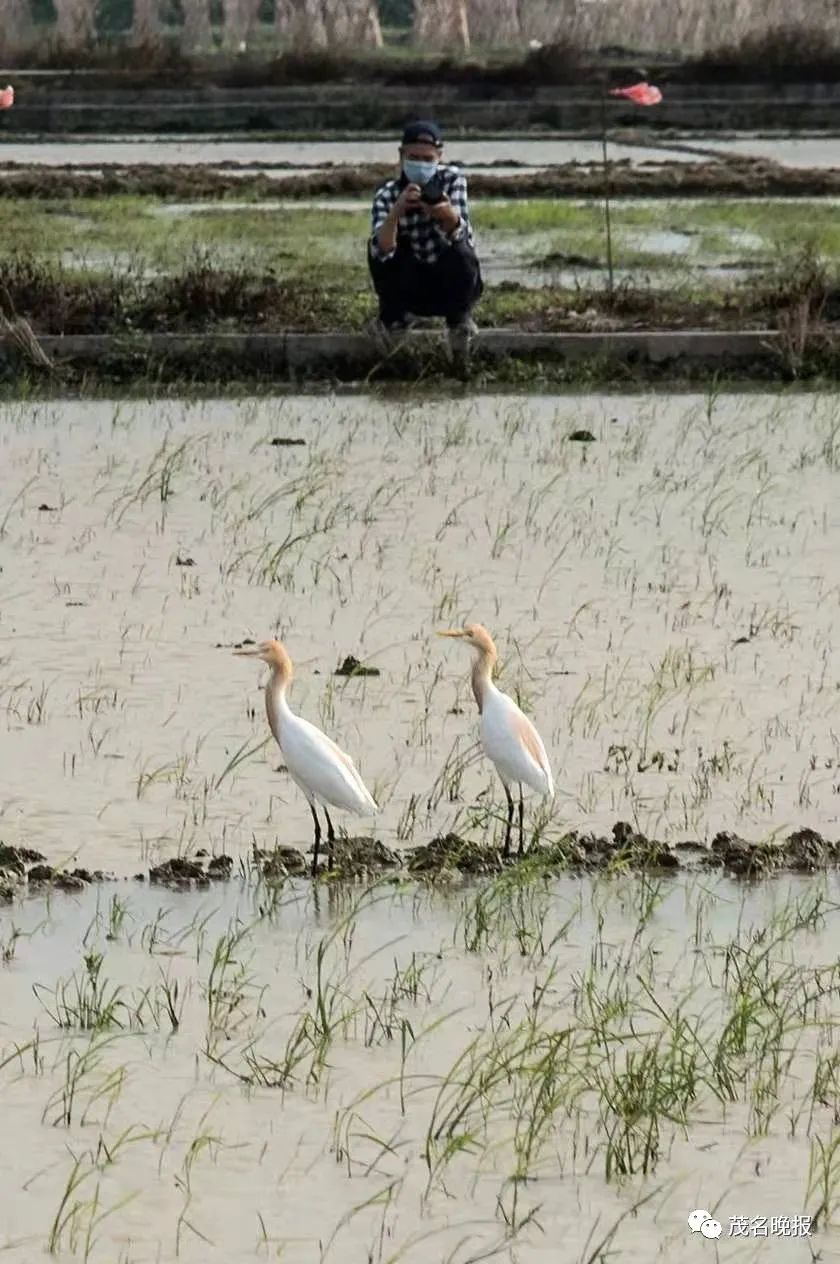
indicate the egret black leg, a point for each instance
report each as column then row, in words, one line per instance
column 317, row 839
column 330, row 840
column 509, row 826
column 521, row 823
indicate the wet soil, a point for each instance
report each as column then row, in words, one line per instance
column 450, row 855
column 23, row 868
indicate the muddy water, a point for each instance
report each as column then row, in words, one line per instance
column 314, row 154
column 175, row 1157
column 663, row 600
column 804, row 151
column 798, row 152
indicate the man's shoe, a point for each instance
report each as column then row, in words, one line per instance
column 386, row 337
column 460, row 339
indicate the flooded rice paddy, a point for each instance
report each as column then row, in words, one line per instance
column 523, row 1067
column 215, row 151
column 668, row 588
column 636, row 147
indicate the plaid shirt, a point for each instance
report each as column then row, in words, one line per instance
column 424, row 235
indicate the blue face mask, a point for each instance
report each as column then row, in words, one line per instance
column 419, row 172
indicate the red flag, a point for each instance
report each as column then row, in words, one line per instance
column 7, row 98
column 639, row 93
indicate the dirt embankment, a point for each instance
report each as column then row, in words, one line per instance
column 727, row 178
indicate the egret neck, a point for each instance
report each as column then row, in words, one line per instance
column 276, row 706
column 481, row 676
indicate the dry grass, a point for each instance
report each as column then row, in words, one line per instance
column 691, row 27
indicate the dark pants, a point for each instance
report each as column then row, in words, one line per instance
column 448, row 287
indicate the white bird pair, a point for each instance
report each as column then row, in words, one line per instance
column 328, row 776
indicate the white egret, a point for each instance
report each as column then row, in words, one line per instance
column 324, row 773
column 509, row 738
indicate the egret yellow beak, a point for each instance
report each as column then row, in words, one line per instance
column 251, row 651
column 451, row 632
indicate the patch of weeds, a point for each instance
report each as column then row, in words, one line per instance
column 87, row 1002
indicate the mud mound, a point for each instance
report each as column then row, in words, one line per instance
column 361, row 858
column 21, row 868
column 450, row 856
column 181, row 872
column 453, row 854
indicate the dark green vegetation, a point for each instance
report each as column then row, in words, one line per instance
column 730, row 179
column 202, row 298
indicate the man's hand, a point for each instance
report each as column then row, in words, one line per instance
column 443, row 213
column 408, row 200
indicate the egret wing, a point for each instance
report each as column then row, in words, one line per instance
column 322, row 769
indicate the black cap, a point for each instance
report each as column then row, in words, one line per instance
column 422, row 130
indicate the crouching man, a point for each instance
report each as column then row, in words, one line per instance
column 421, row 252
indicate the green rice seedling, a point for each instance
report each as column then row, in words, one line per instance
column 8, row 945
column 156, row 939
column 229, row 987
column 382, row 1197
column 411, row 982
column 15, row 501
column 36, row 708
column 825, row 1090
column 77, row 1220
column 448, row 782
column 87, row 1001
column 108, row 1151
column 176, row 772
column 507, row 1206
column 160, row 1005
column 163, row 467
column 600, row 1253
column 640, row 1092
column 155, row 933
column 87, row 1081
column 407, row 823
column 240, row 756
column 172, row 1000
column 204, row 1142
column 69, row 1208
column 117, row 913
column 823, row 1190
column 32, row 1047
column 383, row 1021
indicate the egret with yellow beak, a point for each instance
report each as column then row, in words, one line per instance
column 509, row 738
column 324, row 773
